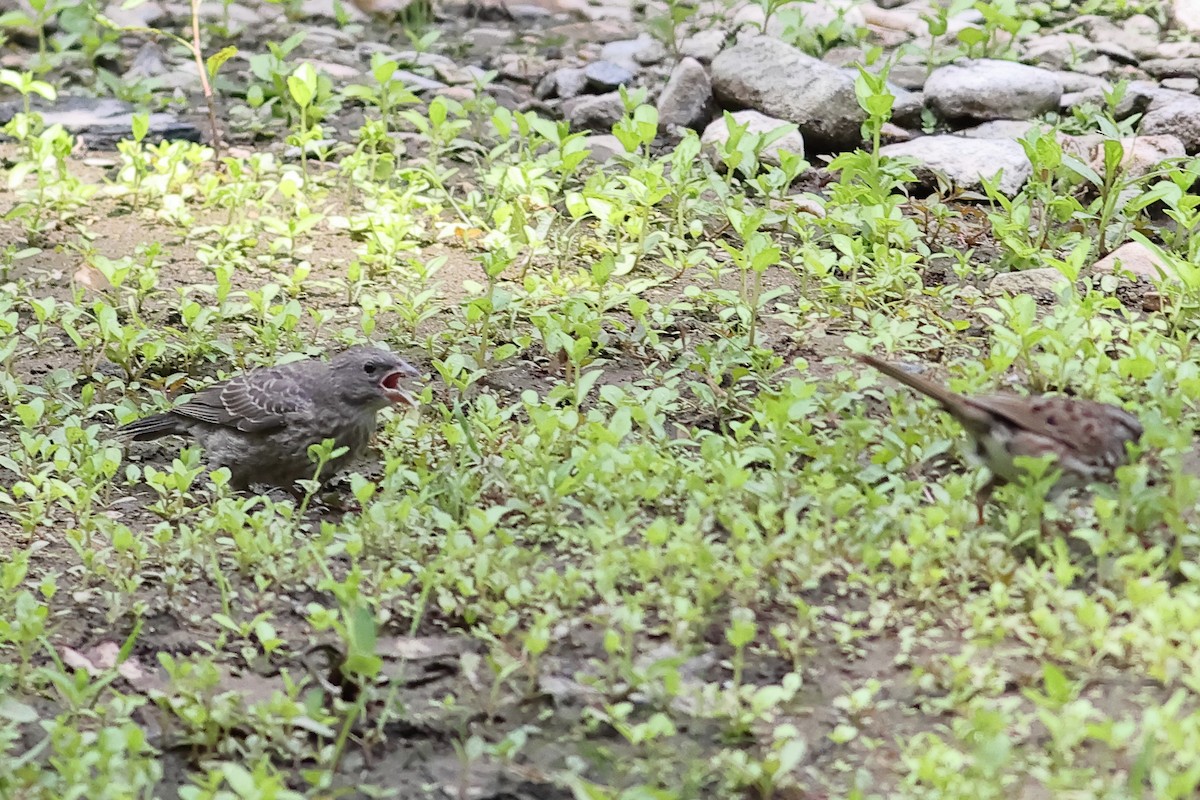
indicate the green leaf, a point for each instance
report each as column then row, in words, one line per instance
column 383, row 69
column 75, row 18
column 1058, row 688
column 302, row 84
column 971, row 36
column 790, row 756
column 14, row 710
column 586, row 382
column 1081, row 169
column 140, row 126
column 361, row 630
column 217, row 59
column 239, row 779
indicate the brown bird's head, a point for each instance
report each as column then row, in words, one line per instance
column 372, row 377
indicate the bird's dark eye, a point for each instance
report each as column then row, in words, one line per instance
column 369, row 369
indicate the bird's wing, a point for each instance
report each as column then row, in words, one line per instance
column 260, row 400
column 1084, row 426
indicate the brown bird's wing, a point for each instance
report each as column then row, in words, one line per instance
column 1095, row 430
column 260, row 400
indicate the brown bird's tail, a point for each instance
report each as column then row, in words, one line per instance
column 952, row 402
column 153, row 427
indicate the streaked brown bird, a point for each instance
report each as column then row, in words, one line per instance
column 261, row 423
column 1087, row 439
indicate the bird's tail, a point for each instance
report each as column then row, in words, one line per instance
column 950, row 400
column 153, row 427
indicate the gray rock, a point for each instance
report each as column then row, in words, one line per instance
column 338, row 73
column 511, row 97
column 102, row 122
column 1142, row 155
column 459, row 94
column 528, row 12
column 1070, row 100
column 844, row 57
column 149, row 62
column 488, row 39
column 1189, row 85
column 146, row 15
column 334, row 39
column 1142, row 96
column 604, row 147
column 686, row 101
column 1143, row 25
column 418, row 83
column 181, row 78
column 1078, row 82
column 598, row 112
column 1058, row 50
column 1044, row 283
column 1138, row 35
column 1133, row 257
column 326, row 9
column 523, row 68
column 1097, row 66
column 634, row 53
column 908, row 107
column 597, row 30
column 1116, row 52
column 1176, row 50
column 566, row 83
column 1172, row 67
column 237, row 14
column 989, row 89
column 604, row 76
column 965, row 162
column 778, row 80
column 704, row 45
column 446, row 69
column 908, row 76
column 906, row 20
column 1181, row 119
column 1186, row 15
column 717, row 133
column 1002, row 129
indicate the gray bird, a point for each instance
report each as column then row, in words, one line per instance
column 261, row 423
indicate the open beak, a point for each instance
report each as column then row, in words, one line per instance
column 392, row 388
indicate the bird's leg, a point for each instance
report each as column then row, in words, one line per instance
column 983, row 495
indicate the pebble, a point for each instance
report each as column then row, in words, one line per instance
column 603, row 76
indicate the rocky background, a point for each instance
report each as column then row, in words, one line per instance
column 969, row 81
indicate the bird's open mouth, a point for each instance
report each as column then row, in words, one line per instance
column 394, row 391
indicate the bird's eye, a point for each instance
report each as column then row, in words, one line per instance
column 369, row 369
